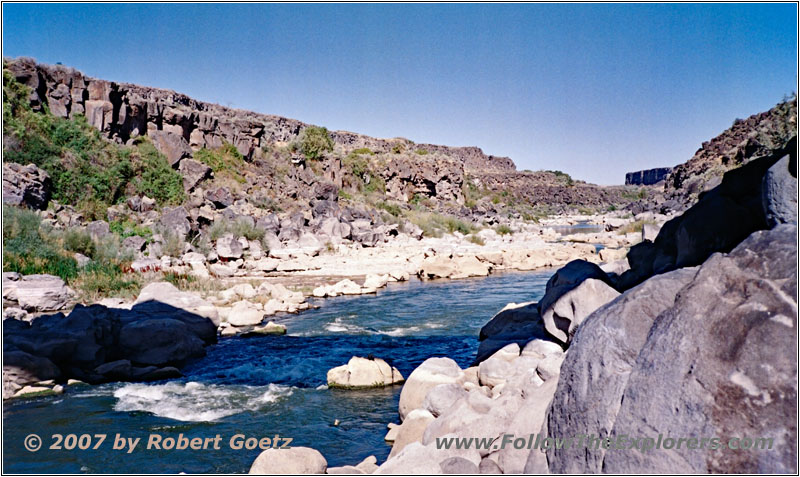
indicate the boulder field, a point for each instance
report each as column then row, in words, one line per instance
column 697, row 340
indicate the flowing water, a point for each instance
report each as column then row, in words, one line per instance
column 268, row 385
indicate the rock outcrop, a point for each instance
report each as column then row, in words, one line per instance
column 179, row 124
column 35, row 293
column 748, row 198
column 687, row 364
column 26, row 186
column 97, row 344
column 647, row 177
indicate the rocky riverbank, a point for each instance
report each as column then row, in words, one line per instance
column 251, row 298
column 697, row 339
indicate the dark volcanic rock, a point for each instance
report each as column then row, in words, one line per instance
column 96, row 343
column 26, row 185
column 647, row 177
column 709, row 366
column 723, row 217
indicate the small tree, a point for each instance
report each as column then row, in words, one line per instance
column 315, row 141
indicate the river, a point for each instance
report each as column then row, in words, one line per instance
column 268, row 385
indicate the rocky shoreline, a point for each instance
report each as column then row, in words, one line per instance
column 248, row 300
column 697, row 338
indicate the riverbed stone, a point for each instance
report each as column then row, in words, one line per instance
column 432, row 372
column 364, row 373
column 294, row 460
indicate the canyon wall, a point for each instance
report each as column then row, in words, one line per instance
column 122, row 111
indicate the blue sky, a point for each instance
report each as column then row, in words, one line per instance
column 593, row 90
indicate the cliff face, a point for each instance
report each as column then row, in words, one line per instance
column 122, row 111
column 758, row 136
column 647, row 177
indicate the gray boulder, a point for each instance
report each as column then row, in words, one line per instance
column 516, row 323
column 229, row 248
column 295, row 460
column 193, row 172
column 134, row 243
column 26, row 186
column 36, row 292
column 176, row 220
column 98, row 229
column 779, row 192
column 596, row 369
column 221, row 197
column 710, row 365
column 171, row 145
column 564, row 316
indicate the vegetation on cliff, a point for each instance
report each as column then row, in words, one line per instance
column 86, row 170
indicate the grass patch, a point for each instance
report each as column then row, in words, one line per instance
column 434, row 225
column 225, row 161
column 504, row 230
column 476, row 240
column 634, row 227
column 239, row 228
column 30, row 247
column 125, row 228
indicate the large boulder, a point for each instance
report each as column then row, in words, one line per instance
column 193, row 172
column 159, row 342
column 432, row 372
column 176, row 221
column 721, row 361
column 515, row 323
column 229, row 248
column 752, row 197
column 364, row 373
column 596, row 370
column 167, row 293
column 779, row 192
column 567, row 278
column 243, row 313
column 36, row 292
column 171, row 145
column 412, row 430
column 26, row 186
column 562, row 318
column 294, row 460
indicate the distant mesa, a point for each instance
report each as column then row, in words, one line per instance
column 647, row 177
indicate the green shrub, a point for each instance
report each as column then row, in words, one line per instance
column 504, row 230
column 314, row 141
column 363, row 150
column 30, row 248
column 393, row 209
column 361, row 175
column 225, row 161
column 77, row 240
column 476, row 240
column 125, row 228
column 398, row 148
column 86, row 170
column 422, row 152
column 173, row 244
column 155, row 178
